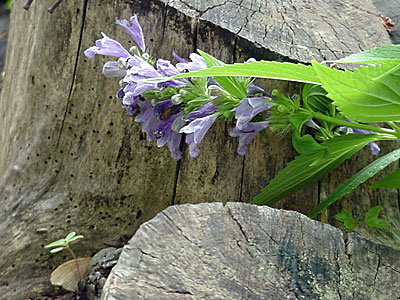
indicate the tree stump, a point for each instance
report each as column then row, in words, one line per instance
column 72, row 160
column 240, row 251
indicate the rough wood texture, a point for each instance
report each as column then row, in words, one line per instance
column 239, row 251
column 71, row 160
column 391, row 9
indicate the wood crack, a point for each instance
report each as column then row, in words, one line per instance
column 74, row 72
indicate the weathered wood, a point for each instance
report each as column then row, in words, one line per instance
column 391, row 9
column 70, row 158
column 239, row 251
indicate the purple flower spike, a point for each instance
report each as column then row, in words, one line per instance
column 107, row 46
column 196, row 64
column 248, row 109
column 246, row 135
column 111, row 69
column 148, row 119
column 196, row 131
column 135, row 31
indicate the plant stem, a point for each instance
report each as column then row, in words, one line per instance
column 28, row 4
column 76, row 262
column 395, row 127
column 352, row 125
column 54, row 6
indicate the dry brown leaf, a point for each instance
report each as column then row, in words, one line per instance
column 66, row 275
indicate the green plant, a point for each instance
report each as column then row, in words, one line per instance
column 8, row 4
column 332, row 99
column 64, row 244
column 371, row 219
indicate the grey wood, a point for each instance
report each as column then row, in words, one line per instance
column 299, row 30
column 239, row 251
column 72, row 160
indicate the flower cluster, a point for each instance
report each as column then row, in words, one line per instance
column 170, row 109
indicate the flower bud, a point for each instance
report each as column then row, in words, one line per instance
column 177, row 99
column 134, row 50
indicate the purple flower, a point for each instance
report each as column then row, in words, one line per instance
column 165, row 67
column 248, row 109
column 196, row 64
column 178, row 58
column 247, row 134
column 372, row 145
column 139, row 69
column 196, row 131
column 129, row 102
column 161, row 106
column 165, row 135
column 107, row 46
column 111, row 69
column 203, row 111
column 148, row 119
column 135, row 31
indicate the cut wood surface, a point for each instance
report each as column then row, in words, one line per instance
column 72, row 160
column 240, row 251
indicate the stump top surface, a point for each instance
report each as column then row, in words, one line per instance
column 299, row 30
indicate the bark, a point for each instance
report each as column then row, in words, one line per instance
column 71, row 160
column 239, row 251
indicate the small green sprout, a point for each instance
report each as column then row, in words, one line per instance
column 371, row 219
column 64, row 244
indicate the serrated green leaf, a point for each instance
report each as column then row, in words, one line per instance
column 376, row 55
column 356, row 180
column 390, row 181
column 233, row 85
column 378, row 223
column 262, row 69
column 301, row 171
column 347, row 218
column 372, row 213
column 357, row 96
column 344, row 215
column 70, row 236
column 77, row 237
column 306, row 144
column 56, row 250
column 56, row 243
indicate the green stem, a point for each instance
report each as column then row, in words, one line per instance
column 395, row 127
column 352, row 125
column 76, row 262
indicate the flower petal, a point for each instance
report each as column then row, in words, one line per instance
column 134, row 29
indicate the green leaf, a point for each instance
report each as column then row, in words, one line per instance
column 360, row 98
column 314, row 97
column 356, row 180
column 77, row 237
column 306, row 144
column 390, row 181
column 303, row 170
column 347, row 218
column 56, row 250
column 372, row 220
column 262, row 69
column 235, row 86
column 70, row 236
column 377, row 55
column 56, row 243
